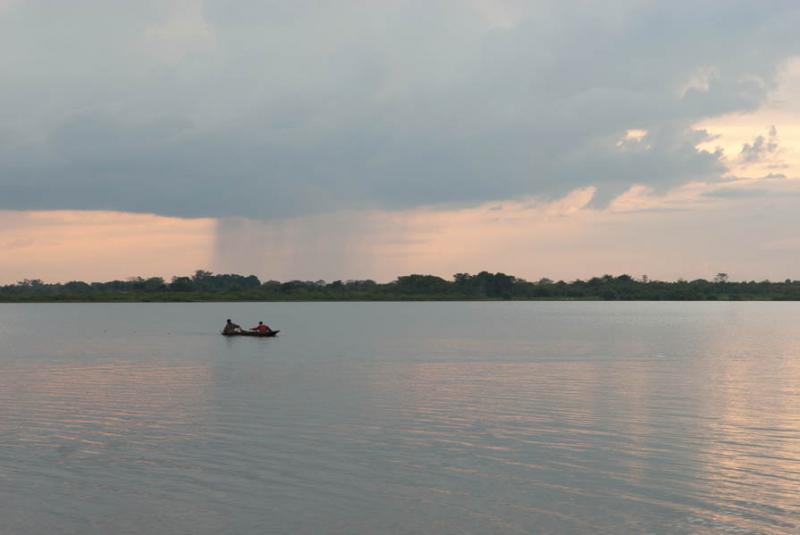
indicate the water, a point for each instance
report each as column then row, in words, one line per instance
column 401, row 418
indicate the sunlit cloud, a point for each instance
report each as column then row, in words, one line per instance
column 700, row 80
column 765, row 141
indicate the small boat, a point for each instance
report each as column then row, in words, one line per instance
column 253, row 333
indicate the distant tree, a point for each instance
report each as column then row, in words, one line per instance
column 500, row 285
column 136, row 283
column 154, row 284
column 421, row 284
column 77, row 287
column 361, row 285
column 181, row 284
column 484, row 285
column 201, row 274
column 31, row 283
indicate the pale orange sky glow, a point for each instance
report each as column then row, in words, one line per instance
column 64, row 245
column 692, row 231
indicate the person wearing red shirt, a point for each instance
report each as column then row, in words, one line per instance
column 261, row 328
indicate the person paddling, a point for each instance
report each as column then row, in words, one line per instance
column 231, row 328
column 261, row 328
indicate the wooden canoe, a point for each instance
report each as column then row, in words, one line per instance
column 253, row 333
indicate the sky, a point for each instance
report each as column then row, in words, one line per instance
column 355, row 139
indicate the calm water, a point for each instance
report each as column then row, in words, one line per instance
column 401, row 418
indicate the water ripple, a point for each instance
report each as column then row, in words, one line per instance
column 621, row 431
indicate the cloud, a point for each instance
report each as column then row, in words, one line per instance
column 737, row 193
column 271, row 109
column 761, row 148
column 7, row 5
column 184, row 32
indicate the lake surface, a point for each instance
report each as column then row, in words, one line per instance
column 400, row 418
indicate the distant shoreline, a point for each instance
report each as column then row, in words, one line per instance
column 206, row 287
column 542, row 300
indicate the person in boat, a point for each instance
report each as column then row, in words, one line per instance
column 231, row 328
column 261, row 328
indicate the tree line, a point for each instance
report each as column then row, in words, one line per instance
column 207, row 286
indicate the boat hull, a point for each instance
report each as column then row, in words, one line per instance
column 253, row 334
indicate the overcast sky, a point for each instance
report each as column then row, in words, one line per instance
column 306, row 122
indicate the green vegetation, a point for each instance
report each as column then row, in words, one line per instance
column 206, row 286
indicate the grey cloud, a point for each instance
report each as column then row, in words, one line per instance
column 761, row 148
column 305, row 107
column 737, row 193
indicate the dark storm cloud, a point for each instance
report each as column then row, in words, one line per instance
column 272, row 109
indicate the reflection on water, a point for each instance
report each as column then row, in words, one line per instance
column 82, row 410
column 402, row 418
